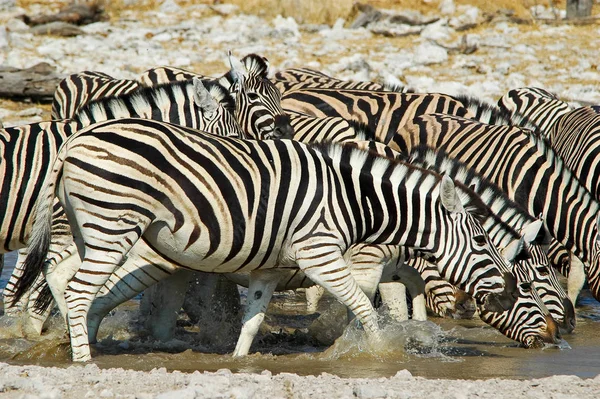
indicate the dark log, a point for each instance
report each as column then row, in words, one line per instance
column 37, row 83
column 77, row 14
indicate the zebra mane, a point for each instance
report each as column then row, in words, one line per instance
column 386, row 166
column 363, row 132
column 492, row 114
column 398, row 88
column 256, row 65
column 158, row 94
column 490, row 194
column 220, row 94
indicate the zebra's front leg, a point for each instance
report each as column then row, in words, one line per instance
column 313, row 296
column 332, row 272
column 576, row 278
column 260, row 290
column 413, row 281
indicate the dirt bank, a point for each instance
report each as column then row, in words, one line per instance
column 91, row 382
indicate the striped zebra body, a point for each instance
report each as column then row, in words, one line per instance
column 526, row 168
column 383, row 112
column 78, row 89
column 26, row 151
column 187, row 102
column 167, row 74
column 539, row 106
column 230, row 232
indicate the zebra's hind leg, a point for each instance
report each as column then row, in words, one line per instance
column 95, row 270
column 260, row 290
column 336, row 278
column 393, row 295
column 142, row 268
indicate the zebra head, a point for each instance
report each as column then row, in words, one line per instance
column 258, row 101
column 593, row 270
column 215, row 109
column 538, row 106
column 537, row 239
column 465, row 254
column 528, row 320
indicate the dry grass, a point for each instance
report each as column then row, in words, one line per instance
column 316, row 11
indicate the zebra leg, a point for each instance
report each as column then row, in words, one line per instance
column 576, row 278
column 79, row 294
column 260, row 290
column 336, row 278
column 393, row 295
column 11, row 308
column 142, row 269
column 58, row 272
column 416, row 287
column 313, row 296
column 161, row 304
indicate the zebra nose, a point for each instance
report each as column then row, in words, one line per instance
column 552, row 334
column 283, row 128
column 568, row 325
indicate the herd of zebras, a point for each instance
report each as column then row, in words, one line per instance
column 297, row 180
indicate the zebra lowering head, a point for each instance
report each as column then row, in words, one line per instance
column 528, row 321
column 258, row 100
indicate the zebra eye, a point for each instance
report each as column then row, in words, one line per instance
column 480, row 240
column 543, row 270
column 253, row 96
column 526, row 287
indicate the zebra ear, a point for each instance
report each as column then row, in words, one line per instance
column 238, row 70
column 516, row 250
column 536, row 233
column 203, row 99
column 449, row 196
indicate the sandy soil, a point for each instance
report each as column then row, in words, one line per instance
column 90, row 382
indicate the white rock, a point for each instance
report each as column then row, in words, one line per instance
column 428, row 53
column 286, row 27
column 169, row 6
column 438, row 30
column 163, row 37
column 447, row 7
column 3, row 37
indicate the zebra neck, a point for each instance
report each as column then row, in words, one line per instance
column 398, row 208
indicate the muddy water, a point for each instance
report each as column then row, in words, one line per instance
column 436, row 349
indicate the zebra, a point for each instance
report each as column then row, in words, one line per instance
column 29, row 150
column 539, row 106
column 317, row 218
column 383, row 112
column 514, row 215
column 76, row 90
column 305, row 78
column 525, row 167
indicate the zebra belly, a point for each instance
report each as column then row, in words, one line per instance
column 198, row 255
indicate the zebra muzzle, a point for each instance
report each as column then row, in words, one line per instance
column 283, row 127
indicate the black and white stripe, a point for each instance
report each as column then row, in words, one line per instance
column 217, row 198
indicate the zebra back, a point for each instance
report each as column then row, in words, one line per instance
column 78, row 89
column 166, row 74
column 192, row 103
column 383, row 112
column 575, row 136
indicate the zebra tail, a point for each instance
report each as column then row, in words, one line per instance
column 39, row 242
